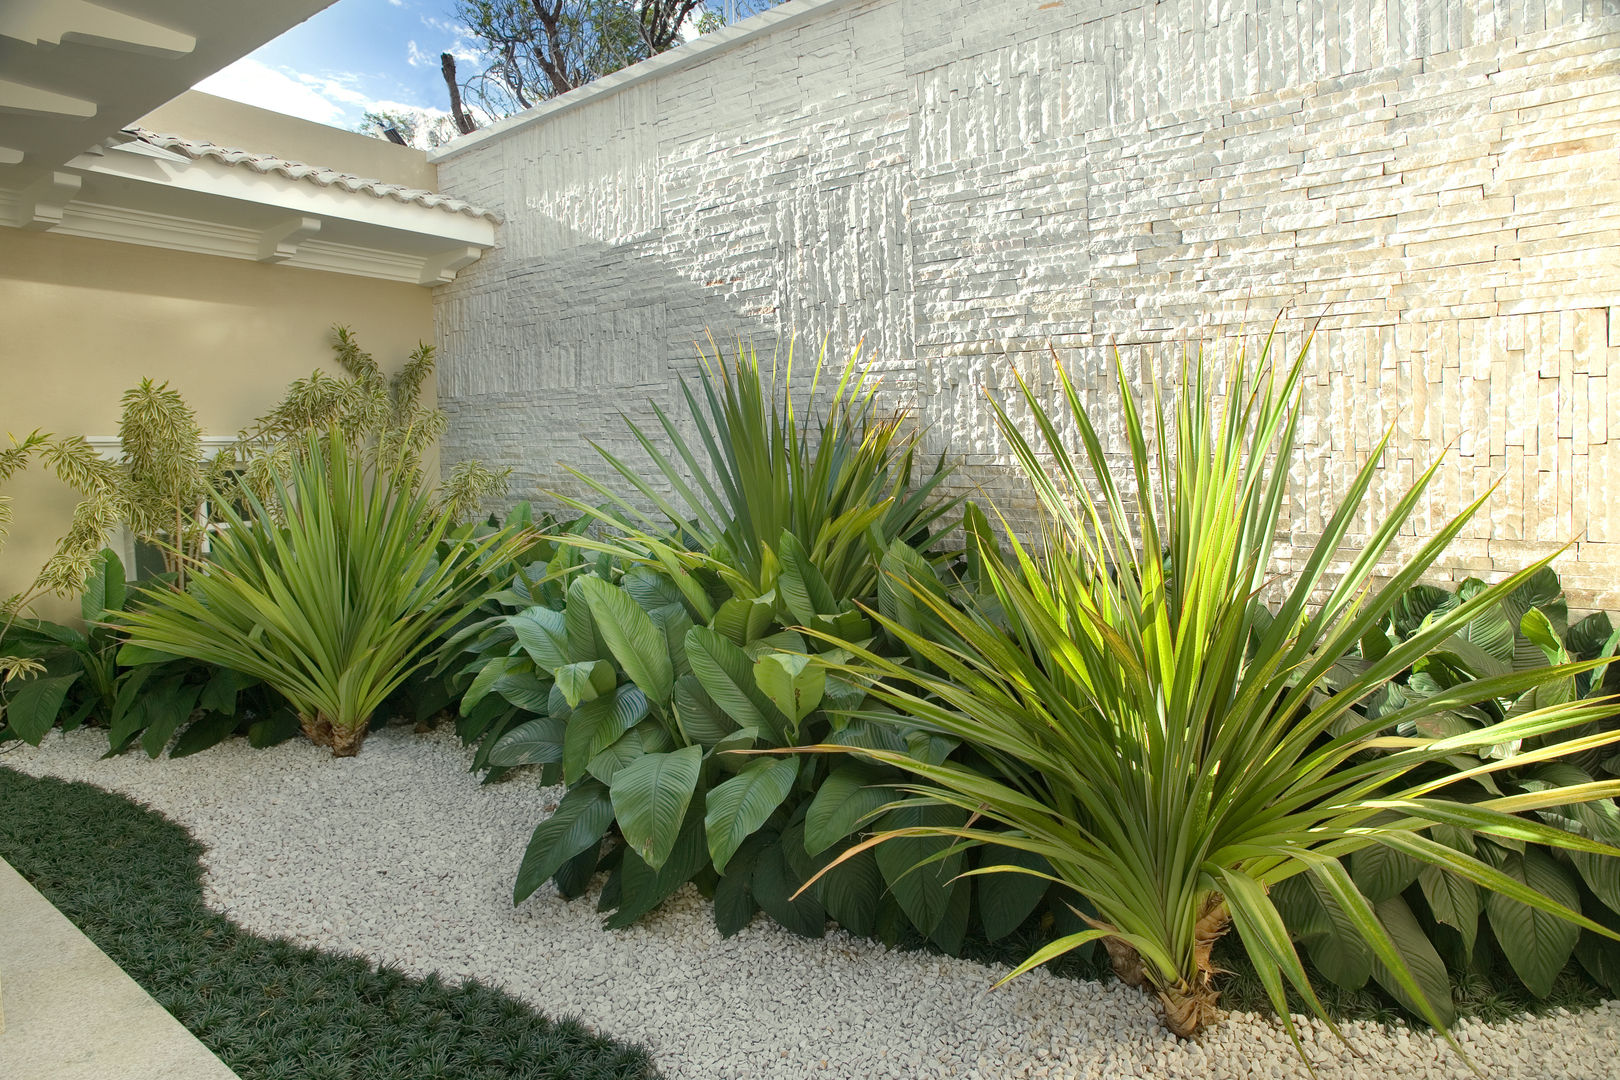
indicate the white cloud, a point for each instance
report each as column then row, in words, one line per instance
column 331, row 98
column 255, row 83
column 397, row 3
column 340, row 88
column 416, row 57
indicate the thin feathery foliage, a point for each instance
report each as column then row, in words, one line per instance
column 335, row 600
column 132, row 881
column 383, row 415
column 103, row 505
column 1169, row 746
column 840, row 478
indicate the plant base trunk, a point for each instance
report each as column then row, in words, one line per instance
column 1189, row 1006
column 344, row 742
column 1190, row 1009
column 1126, row 962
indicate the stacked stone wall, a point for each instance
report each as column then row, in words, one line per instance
column 1433, row 186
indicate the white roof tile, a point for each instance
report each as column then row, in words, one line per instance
column 314, row 174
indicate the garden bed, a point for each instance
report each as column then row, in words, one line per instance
column 402, row 857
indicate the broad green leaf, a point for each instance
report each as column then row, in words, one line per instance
column 1537, row 943
column 848, row 795
column 220, row 692
column 523, row 688
column 1330, row 937
column 104, row 590
column 484, row 682
column 1588, row 638
column 725, row 673
column 534, row 742
column 597, row 725
column 924, row 891
column 804, row 591
column 1007, row 899
column 1539, row 629
column 642, row 888
column 650, row 589
column 673, row 622
column 1382, row 872
column 543, row 633
column 851, row 893
column 1600, row 957
column 585, row 641
column 585, row 681
column 738, row 807
column 774, row 884
column 1453, row 899
column 792, row 682
column 33, row 702
column 741, row 621
column 578, row 823
column 903, row 575
column 635, row 642
column 702, row 721
column 171, row 705
column 626, row 749
column 650, row 797
column 734, row 905
column 1420, row 957
column 212, row 729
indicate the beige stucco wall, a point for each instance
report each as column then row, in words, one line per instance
column 84, row 320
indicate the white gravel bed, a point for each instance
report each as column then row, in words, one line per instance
column 400, row 855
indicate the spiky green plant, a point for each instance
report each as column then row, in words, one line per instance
column 834, row 474
column 1163, row 743
column 333, row 602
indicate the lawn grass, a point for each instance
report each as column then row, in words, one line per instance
column 271, row 1010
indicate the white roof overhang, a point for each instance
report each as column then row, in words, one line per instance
column 130, row 191
column 73, row 72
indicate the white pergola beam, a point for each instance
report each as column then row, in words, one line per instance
column 48, row 22
column 20, row 97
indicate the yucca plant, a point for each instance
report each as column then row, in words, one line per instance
column 833, row 474
column 1161, row 744
column 333, row 600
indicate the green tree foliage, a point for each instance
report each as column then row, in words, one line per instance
column 532, row 50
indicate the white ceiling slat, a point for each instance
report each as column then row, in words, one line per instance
column 50, row 22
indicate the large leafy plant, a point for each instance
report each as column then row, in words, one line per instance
column 1451, row 920
column 1157, row 737
column 657, row 647
column 79, row 679
column 333, row 598
column 839, row 478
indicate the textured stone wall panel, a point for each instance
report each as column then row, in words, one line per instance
column 1432, row 186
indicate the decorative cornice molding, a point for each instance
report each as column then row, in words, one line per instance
column 242, row 214
column 201, row 237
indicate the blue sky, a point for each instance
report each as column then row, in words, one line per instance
column 353, row 56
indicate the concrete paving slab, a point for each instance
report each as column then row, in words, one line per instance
column 72, row 1014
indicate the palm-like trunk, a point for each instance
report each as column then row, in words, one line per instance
column 343, row 741
column 1190, row 1004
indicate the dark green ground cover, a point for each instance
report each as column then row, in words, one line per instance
column 132, row 881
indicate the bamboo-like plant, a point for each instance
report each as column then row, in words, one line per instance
column 333, row 600
column 1169, row 749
